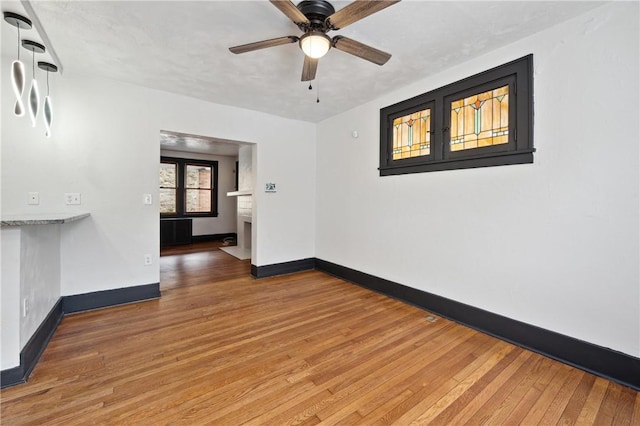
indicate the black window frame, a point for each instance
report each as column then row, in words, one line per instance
column 517, row 74
column 181, row 207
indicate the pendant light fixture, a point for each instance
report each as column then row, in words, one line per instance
column 34, row 93
column 47, row 114
column 17, row 67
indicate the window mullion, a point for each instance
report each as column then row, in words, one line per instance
column 181, row 188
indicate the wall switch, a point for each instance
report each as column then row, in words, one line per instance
column 147, row 199
column 147, row 259
column 33, row 198
column 25, row 307
column 72, row 198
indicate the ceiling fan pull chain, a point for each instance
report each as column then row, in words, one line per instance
column 310, row 86
column 318, row 93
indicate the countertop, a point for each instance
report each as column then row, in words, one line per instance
column 40, row 218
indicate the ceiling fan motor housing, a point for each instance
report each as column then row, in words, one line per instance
column 316, row 11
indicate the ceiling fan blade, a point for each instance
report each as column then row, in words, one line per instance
column 361, row 50
column 356, row 11
column 309, row 68
column 291, row 11
column 263, row 44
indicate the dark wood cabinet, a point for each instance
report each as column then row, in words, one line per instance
column 175, row 231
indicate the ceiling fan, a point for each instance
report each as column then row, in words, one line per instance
column 316, row 18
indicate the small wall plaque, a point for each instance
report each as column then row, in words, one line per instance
column 270, row 187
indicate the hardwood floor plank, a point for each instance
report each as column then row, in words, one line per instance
column 362, row 389
column 635, row 417
column 574, row 407
column 518, row 415
column 471, row 374
column 299, row 407
column 592, row 403
column 411, row 368
column 493, row 398
column 608, row 406
column 506, row 403
column 472, row 398
column 624, row 411
column 562, row 398
column 223, row 348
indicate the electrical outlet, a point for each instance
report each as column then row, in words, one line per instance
column 33, row 198
column 72, row 198
column 25, row 307
column 147, row 259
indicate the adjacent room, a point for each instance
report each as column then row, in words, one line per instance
column 311, row 212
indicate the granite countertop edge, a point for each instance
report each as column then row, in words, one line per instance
column 41, row 218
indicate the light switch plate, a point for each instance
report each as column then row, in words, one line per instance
column 147, row 199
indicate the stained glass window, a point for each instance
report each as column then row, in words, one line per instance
column 480, row 120
column 412, row 135
column 466, row 124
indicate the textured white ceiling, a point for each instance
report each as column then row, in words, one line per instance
column 182, row 47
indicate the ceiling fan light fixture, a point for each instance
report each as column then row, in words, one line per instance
column 315, row 44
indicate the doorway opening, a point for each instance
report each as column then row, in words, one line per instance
column 206, row 206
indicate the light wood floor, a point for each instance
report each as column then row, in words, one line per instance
column 222, row 348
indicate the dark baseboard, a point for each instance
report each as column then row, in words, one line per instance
column 212, row 237
column 34, row 348
column 282, row 268
column 12, row 376
column 605, row 362
column 106, row 298
column 31, row 352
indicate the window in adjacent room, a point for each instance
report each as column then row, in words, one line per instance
column 188, row 187
column 484, row 120
column 168, row 187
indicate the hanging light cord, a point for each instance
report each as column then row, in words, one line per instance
column 18, row 42
column 47, row 82
column 33, row 63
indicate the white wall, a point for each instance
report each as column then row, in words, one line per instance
column 554, row 243
column 245, row 168
column 225, row 222
column 39, row 275
column 10, row 296
column 105, row 145
column 30, row 284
